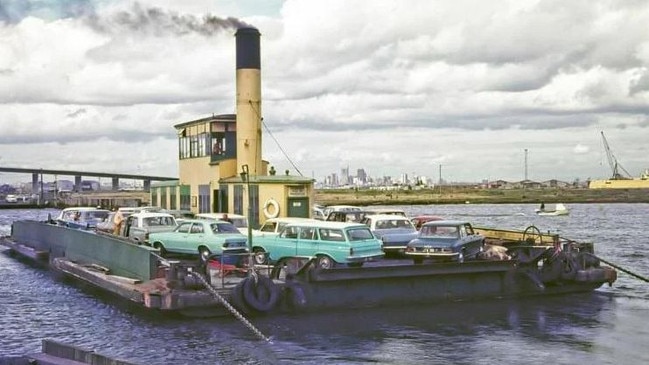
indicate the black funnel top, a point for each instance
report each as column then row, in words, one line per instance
column 248, row 55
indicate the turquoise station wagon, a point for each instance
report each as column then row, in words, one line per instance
column 332, row 243
column 202, row 237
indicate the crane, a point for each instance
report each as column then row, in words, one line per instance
column 612, row 161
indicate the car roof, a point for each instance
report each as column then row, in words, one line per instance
column 388, row 216
column 290, row 219
column 219, row 215
column 150, row 214
column 327, row 224
column 343, row 207
column 445, row 223
column 85, row 209
column 208, row 221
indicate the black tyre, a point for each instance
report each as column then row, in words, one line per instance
column 204, row 252
column 260, row 256
column 325, row 262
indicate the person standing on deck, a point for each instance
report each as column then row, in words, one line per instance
column 118, row 219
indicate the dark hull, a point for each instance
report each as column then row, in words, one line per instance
column 135, row 274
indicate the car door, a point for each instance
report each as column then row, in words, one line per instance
column 285, row 244
column 174, row 241
column 307, row 243
column 194, row 238
column 474, row 242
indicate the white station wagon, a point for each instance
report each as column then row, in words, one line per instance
column 273, row 226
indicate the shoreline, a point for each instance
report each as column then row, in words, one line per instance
column 462, row 195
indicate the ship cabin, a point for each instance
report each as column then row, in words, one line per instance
column 212, row 179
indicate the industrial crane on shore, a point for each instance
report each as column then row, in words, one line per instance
column 615, row 165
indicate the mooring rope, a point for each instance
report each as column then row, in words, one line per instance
column 619, row 268
column 229, row 307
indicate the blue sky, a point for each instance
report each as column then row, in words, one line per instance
column 390, row 86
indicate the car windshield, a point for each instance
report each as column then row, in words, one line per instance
column 359, row 234
column 394, row 223
column 439, row 232
column 97, row 215
column 223, row 227
column 268, row 227
column 158, row 221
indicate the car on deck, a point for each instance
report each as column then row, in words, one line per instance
column 355, row 216
column 395, row 231
column 81, row 217
column 331, row 243
column 419, row 220
column 272, row 226
column 445, row 240
column 239, row 221
column 203, row 237
column 139, row 226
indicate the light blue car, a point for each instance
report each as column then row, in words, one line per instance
column 201, row 237
column 333, row 243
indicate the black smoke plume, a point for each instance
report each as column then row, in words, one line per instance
column 157, row 22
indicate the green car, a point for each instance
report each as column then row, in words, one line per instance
column 201, row 237
column 332, row 243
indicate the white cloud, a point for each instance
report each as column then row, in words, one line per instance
column 393, row 87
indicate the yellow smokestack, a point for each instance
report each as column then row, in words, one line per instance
column 248, row 100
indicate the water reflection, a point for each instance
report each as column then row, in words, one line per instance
column 605, row 327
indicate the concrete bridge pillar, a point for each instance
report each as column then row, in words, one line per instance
column 35, row 187
column 115, row 183
column 77, row 183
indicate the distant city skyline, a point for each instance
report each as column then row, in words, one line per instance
column 395, row 87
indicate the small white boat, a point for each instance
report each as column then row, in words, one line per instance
column 558, row 209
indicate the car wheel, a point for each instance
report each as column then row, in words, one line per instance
column 417, row 261
column 160, row 247
column 460, row 257
column 325, row 262
column 204, row 252
column 260, row 256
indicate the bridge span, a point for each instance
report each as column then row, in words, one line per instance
column 37, row 176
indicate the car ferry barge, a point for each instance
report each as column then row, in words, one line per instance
column 138, row 274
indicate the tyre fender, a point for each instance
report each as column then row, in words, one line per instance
column 261, row 294
column 237, row 299
column 295, row 296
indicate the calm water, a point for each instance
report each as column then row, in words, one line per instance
column 604, row 327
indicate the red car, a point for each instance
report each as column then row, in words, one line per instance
column 419, row 220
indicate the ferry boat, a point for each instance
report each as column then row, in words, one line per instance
column 535, row 264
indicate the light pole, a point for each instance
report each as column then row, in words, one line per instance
column 245, row 176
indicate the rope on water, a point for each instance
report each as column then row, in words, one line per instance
column 229, row 307
column 619, row 268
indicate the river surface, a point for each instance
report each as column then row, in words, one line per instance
column 608, row 326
